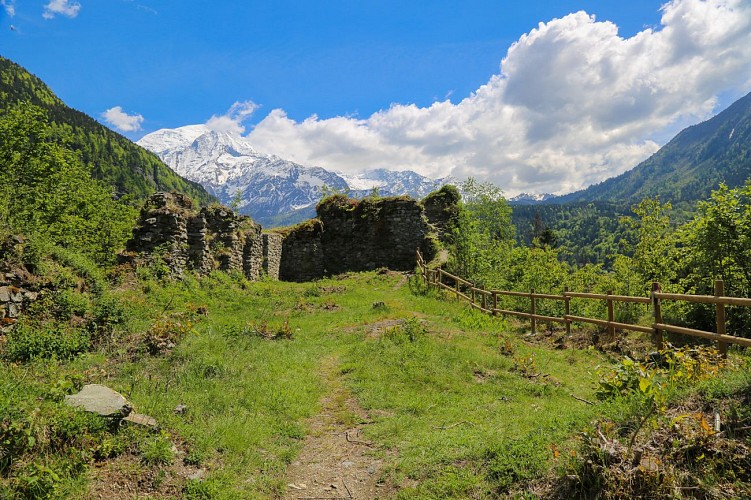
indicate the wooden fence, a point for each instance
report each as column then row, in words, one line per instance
column 487, row 301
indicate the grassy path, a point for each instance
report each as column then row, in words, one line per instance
column 335, row 461
column 380, row 392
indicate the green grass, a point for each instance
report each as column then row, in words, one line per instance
column 458, row 406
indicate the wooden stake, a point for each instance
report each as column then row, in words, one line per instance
column 719, row 291
column 657, row 310
column 567, row 306
column 611, row 317
column 532, row 310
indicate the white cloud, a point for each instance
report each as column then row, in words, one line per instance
column 62, row 7
column 232, row 120
column 121, row 120
column 9, row 6
column 573, row 104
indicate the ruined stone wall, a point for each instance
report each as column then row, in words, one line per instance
column 302, row 257
column 12, row 301
column 163, row 230
column 215, row 238
column 372, row 233
column 348, row 235
column 352, row 235
column 272, row 254
column 442, row 211
column 253, row 252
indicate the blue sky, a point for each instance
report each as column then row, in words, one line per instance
column 333, row 71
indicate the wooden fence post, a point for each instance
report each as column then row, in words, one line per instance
column 484, row 300
column 495, row 302
column 719, row 291
column 567, row 310
column 456, row 284
column 657, row 310
column 611, row 316
column 532, row 309
column 473, row 293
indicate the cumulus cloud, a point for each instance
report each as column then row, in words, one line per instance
column 9, row 6
column 63, row 7
column 573, row 103
column 232, row 120
column 121, row 120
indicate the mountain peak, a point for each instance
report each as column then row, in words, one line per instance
column 273, row 190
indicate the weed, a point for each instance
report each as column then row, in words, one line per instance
column 506, row 347
column 157, row 451
column 165, row 334
column 28, row 342
column 526, row 366
column 411, row 330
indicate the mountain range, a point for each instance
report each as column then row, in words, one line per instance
column 273, row 191
column 210, row 165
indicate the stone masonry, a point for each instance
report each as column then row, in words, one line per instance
column 302, row 253
column 214, row 238
column 348, row 235
column 352, row 235
column 272, row 253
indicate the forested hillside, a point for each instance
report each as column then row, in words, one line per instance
column 109, row 156
column 689, row 167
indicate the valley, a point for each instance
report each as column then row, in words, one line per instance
column 272, row 336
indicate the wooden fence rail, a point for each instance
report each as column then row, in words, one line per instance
column 487, row 301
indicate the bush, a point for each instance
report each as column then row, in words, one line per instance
column 69, row 303
column 27, row 342
column 411, row 330
column 157, row 451
column 165, row 335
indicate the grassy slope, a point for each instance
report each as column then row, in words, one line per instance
column 453, row 413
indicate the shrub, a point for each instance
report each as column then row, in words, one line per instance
column 165, row 335
column 157, row 451
column 27, row 342
column 411, row 330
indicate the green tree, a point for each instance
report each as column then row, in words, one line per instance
column 484, row 236
column 654, row 255
column 46, row 191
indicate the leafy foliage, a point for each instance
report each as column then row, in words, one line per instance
column 46, row 192
column 105, row 155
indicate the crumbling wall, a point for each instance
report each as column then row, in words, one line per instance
column 171, row 229
column 356, row 235
column 272, row 254
column 302, row 257
column 348, row 235
column 371, row 233
column 442, row 211
column 163, row 230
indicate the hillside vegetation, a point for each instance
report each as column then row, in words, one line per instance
column 126, row 167
column 364, row 385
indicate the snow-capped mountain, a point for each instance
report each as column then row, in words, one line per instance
column 271, row 190
column 531, row 199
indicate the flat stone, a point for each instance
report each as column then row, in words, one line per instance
column 13, row 310
column 143, row 420
column 101, row 400
column 32, row 296
column 4, row 294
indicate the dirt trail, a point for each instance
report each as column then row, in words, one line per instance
column 336, row 460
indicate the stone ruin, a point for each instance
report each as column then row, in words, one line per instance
column 348, row 235
column 17, row 285
column 215, row 237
